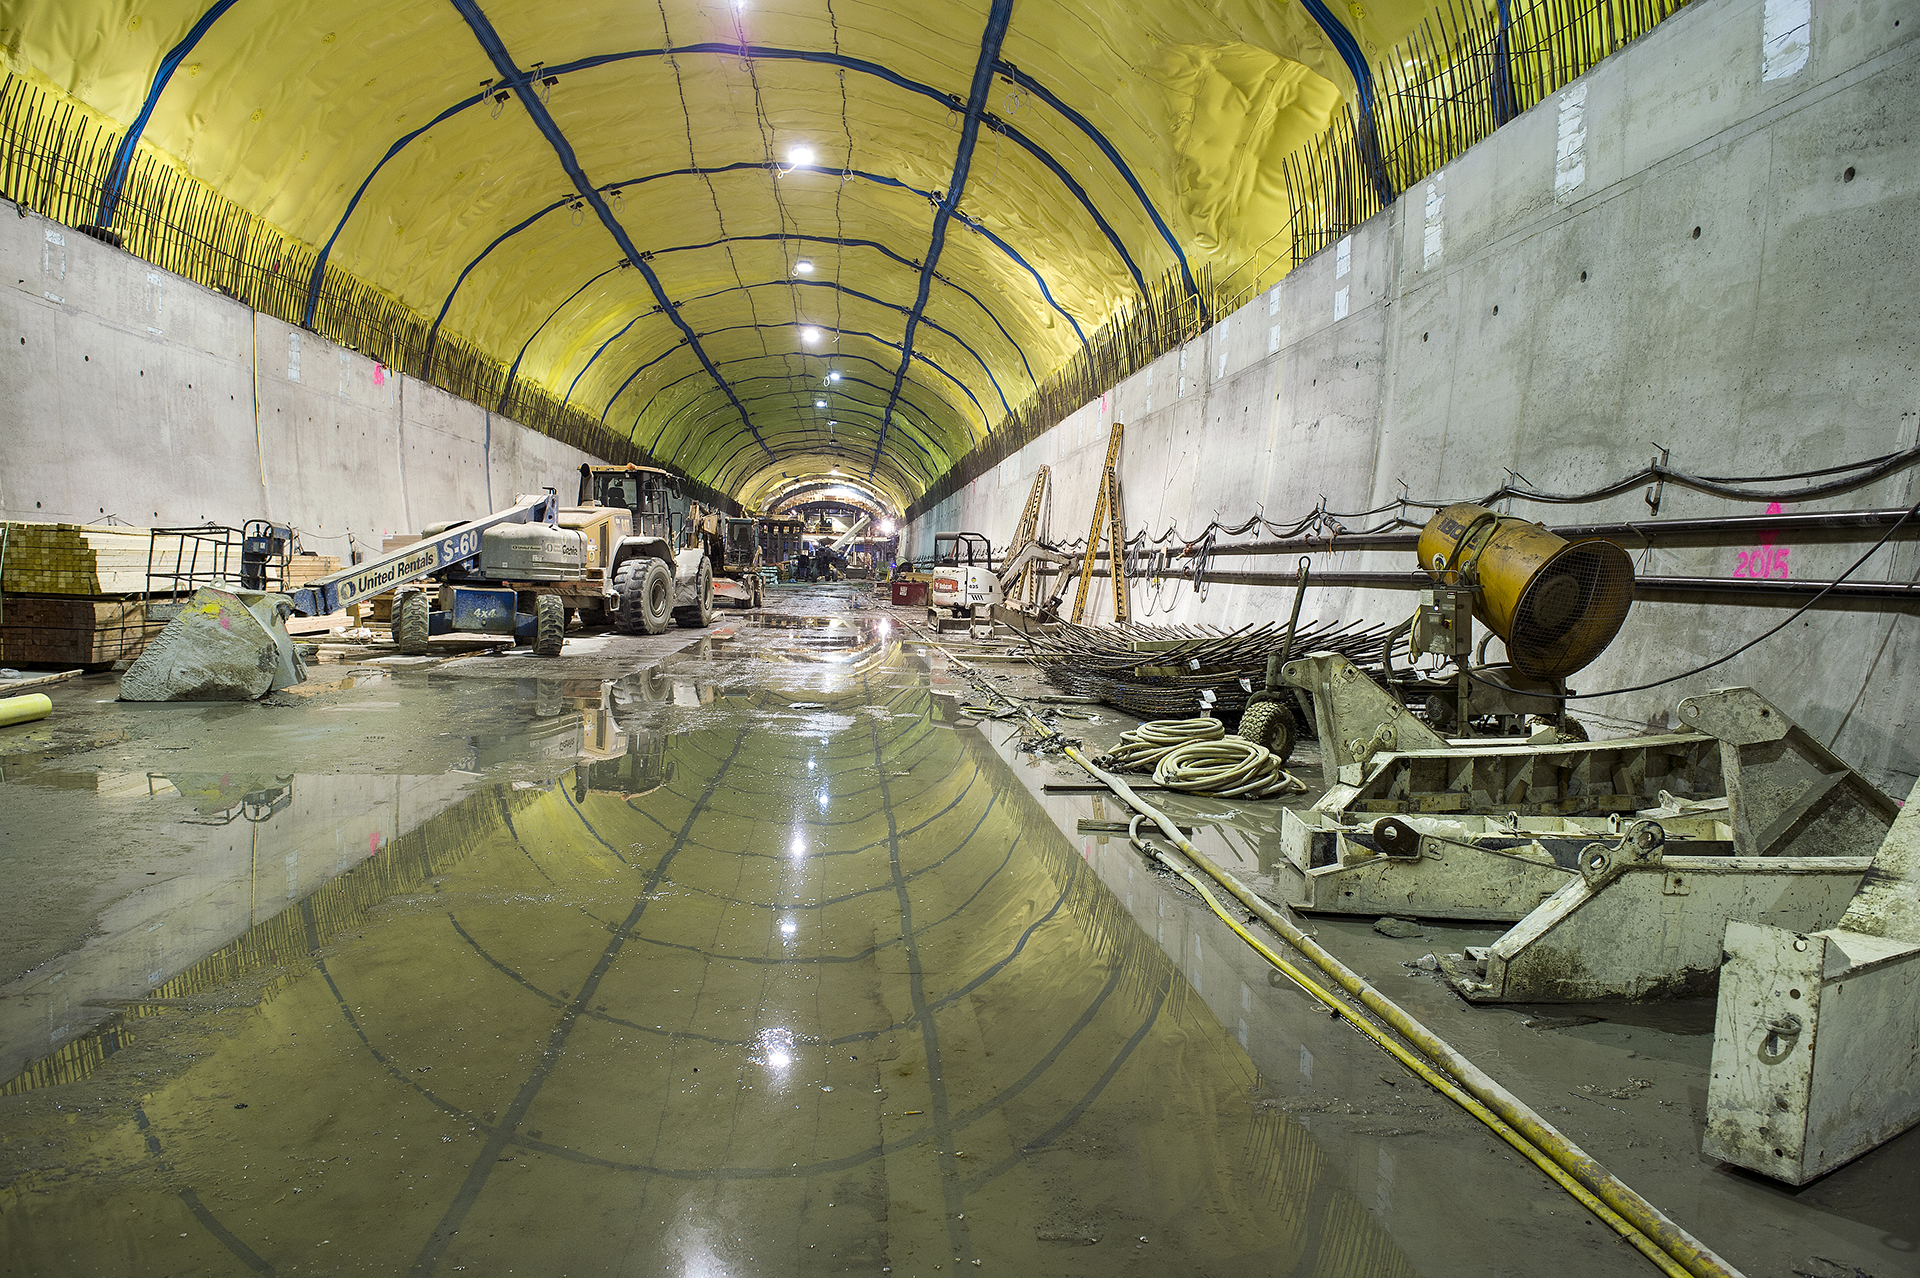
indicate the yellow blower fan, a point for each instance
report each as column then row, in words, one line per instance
column 1555, row 604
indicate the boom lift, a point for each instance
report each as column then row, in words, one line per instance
column 519, row 570
column 486, row 568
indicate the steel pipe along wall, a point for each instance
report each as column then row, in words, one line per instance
column 1723, row 265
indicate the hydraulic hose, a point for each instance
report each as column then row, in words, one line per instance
column 1232, row 768
column 1144, row 747
column 1636, row 1220
column 1439, row 1082
column 1655, row 1230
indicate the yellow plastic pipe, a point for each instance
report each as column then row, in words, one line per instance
column 1637, row 1221
column 25, row 708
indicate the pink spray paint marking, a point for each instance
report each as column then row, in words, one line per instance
column 373, row 843
column 1767, row 560
column 379, row 374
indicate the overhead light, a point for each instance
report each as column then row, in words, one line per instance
column 803, row 267
column 800, row 155
column 819, row 403
column 886, row 528
column 809, row 334
column 834, row 471
column 834, row 376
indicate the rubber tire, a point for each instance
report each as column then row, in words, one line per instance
column 549, row 625
column 696, row 615
column 652, row 601
column 626, row 583
column 1269, row 724
column 410, row 623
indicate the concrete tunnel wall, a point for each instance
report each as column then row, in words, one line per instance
column 1782, row 339
column 134, row 393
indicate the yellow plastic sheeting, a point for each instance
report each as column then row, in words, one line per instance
column 288, row 109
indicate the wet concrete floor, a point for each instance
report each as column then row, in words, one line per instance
column 742, row 952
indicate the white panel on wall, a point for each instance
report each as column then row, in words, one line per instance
column 1570, row 145
column 1430, row 237
column 53, row 263
column 156, row 301
column 1786, row 38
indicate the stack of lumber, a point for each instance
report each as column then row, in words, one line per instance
column 74, row 559
column 47, row 630
column 303, row 569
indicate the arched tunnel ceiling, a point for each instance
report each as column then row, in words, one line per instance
column 606, row 196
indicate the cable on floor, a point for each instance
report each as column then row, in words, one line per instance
column 1142, row 749
column 1637, row 1221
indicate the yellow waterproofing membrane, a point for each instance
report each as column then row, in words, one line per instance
column 289, row 109
column 679, row 219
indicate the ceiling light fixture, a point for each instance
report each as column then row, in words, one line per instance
column 809, row 334
column 803, row 267
column 799, row 156
column 819, row 403
column 834, row 375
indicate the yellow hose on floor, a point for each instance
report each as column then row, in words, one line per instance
column 1440, row 1083
column 1636, row 1220
column 1650, row 1228
column 25, row 708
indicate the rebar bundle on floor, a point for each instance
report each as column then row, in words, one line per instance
column 1160, row 672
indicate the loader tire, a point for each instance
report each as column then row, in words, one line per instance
column 549, row 625
column 699, row 614
column 410, row 623
column 647, row 598
column 626, row 584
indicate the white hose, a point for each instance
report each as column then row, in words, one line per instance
column 1231, row 767
column 1146, row 745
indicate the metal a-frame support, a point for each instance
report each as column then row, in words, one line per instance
column 1032, row 527
column 1110, row 523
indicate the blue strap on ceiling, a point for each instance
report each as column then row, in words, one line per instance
column 997, row 19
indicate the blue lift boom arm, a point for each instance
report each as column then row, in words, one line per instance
column 449, row 549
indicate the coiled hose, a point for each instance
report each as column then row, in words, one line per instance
column 1638, row 1222
column 1146, row 745
column 1231, row 767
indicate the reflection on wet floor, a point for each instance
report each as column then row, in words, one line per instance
column 790, row 977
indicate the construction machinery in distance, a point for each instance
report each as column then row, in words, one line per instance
column 738, row 576
column 633, row 552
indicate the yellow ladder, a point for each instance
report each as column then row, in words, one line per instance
column 1109, row 523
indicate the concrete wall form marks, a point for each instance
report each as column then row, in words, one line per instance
column 133, row 393
column 1550, row 310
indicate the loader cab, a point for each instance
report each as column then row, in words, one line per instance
column 741, row 538
column 653, row 496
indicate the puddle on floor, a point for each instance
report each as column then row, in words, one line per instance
column 756, row 961
column 779, row 976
